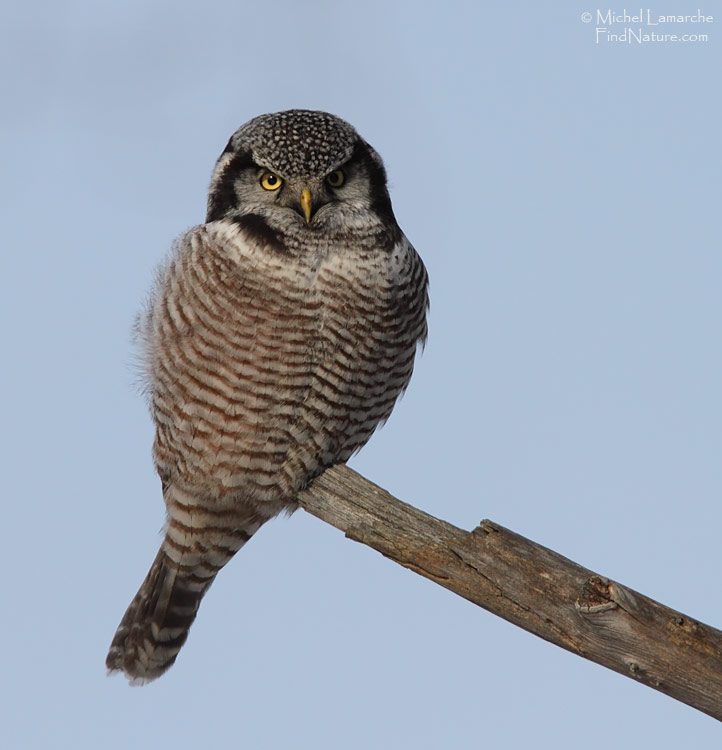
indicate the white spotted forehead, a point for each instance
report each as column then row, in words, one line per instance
column 297, row 143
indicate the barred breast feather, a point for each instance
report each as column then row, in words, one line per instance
column 267, row 369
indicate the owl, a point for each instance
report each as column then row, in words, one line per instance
column 278, row 337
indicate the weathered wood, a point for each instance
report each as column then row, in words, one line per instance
column 532, row 587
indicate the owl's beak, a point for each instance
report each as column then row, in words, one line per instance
column 306, row 204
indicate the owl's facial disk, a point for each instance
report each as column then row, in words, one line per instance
column 246, row 187
column 306, row 196
column 297, row 194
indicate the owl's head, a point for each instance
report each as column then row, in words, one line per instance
column 300, row 170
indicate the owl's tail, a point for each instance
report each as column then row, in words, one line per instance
column 156, row 624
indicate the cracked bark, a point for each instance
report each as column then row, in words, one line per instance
column 532, row 587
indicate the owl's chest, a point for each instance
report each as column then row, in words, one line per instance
column 310, row 296
column 273, row 352
column 267, row 317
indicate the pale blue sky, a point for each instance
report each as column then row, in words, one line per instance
column 565, row 196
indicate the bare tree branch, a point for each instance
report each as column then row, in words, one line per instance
column 532, row 587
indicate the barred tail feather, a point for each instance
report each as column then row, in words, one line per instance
column 156, row 624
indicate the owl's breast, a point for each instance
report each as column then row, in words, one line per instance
column 374, row 316
column 266, row 368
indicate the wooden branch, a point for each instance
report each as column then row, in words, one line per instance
column 532, row 587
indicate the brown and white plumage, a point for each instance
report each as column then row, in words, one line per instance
column 279, row 336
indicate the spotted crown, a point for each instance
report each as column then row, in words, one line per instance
column 298, row 142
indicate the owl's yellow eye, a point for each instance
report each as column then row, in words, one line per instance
column 336, row 178
column 270, row 181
